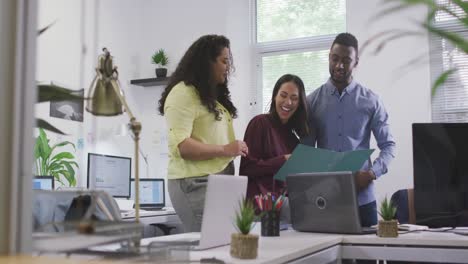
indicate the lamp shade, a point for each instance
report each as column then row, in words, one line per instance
column 104, row 100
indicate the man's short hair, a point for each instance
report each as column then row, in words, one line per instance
column 346, row 39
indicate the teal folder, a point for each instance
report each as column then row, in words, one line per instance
column 310, row 159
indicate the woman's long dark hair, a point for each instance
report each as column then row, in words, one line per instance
column 195, row 68
column 297, row 122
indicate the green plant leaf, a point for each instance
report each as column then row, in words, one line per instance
column 44, row 147
column 456, row 39
column 64, row 143
column 41, row 123
column 441, row 80
column 160, row 58
column 62, row 155
column 71, row 174
column 66, row 174
column 44, row 29
column 387, row 210
column 51, row 92
column 245, row 217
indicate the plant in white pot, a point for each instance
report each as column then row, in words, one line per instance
column 388, row 226
column 243, row 244
column 161, row 60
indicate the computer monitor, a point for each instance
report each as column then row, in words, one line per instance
column 109, row 173
column 152, row 194
column 43, row 183
column 440, row 152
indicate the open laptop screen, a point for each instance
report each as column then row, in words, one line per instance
column 43, row 183
column 151, row 193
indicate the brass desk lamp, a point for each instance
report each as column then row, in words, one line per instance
column 106, row 99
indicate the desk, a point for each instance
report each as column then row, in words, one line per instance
column 418, row 246
column 297, row 247
column 153, row 217
column 159, row 218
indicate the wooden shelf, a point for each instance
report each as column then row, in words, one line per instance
column 150, row 81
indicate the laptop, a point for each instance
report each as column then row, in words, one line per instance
column 152, row 193
column 43, row 183
column 325, row 202
column 223, row 195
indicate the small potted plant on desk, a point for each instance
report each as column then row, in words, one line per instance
column 243, row 244
column 388, row 226
column 161, row 60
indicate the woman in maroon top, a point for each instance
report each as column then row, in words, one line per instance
column 273, row 136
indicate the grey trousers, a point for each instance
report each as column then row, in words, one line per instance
column 188, row 198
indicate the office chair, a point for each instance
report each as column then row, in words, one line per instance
column 404, row 201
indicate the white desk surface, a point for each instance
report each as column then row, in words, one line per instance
column 143, row 213
column 292, row 245
column 429, row 239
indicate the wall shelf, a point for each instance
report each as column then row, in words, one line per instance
column 150, row 81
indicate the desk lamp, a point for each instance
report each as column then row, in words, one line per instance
column 106, row 99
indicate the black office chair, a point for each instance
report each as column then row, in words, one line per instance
column 165, row 228
column 404, row 201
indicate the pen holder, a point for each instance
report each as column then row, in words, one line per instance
column 270, row 223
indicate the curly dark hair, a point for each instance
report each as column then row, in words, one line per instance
column 195, row 69
column 297, row 122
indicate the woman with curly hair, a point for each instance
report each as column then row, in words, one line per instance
column 199, row 112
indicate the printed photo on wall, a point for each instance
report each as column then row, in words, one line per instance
column 70, row 109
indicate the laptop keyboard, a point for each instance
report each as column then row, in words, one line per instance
column 152, row 208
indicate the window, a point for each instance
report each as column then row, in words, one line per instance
column 450, row 103
column 294, row 36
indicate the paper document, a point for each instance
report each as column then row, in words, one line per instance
column 310, row 159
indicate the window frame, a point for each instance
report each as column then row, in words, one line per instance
column 282, row 47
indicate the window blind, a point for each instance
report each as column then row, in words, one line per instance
column 450, row 102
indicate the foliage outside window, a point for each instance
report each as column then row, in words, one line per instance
column 294, row 36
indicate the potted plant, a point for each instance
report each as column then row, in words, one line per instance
column 59, row 165
column 388, row 226
column 243, row 244
column 161, row 60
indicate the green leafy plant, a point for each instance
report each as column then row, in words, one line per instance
column 457, row 9
column 245, row 216
column 387, row 210
column 160, row 58
column 59, row 165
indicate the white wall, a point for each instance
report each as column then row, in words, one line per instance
column 133, row 32
column 59, row 61
column 404, row 91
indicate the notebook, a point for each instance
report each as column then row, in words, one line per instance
column 325, row 202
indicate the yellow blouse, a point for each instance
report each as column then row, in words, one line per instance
column 187, row 117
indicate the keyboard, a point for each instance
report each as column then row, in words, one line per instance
column 152, row 208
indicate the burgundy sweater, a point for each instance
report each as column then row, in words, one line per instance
column 268, row 141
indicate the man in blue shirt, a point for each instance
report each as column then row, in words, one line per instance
column 342, row 115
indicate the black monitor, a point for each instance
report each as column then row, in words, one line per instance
column 109, row 173
column 440, row 159
column 43, row 183
column 152, row 193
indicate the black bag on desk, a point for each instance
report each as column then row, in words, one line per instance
column 78, row 208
